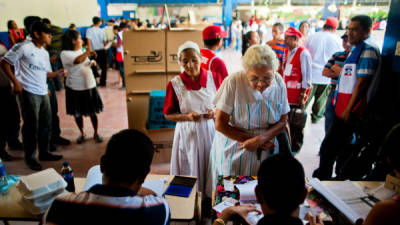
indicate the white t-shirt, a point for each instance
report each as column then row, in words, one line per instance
column 33, row 64
column 97, row 36
column 79, row 76
column 322, row 45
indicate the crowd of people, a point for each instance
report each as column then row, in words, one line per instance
column 248, row 123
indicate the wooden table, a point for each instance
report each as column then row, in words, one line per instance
column 182, row 209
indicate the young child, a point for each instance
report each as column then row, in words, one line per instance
column 81, row 94
column 213, row 40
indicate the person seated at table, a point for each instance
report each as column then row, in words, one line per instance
column 280, row 191
column 120, row 199
column 251, row 111
column 188, row 101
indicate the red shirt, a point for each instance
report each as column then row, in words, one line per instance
column 171, row 102
column 217, row 66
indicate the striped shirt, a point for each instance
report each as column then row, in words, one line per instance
column 337, row 58
column 279, row 48
column 369, row 60
column 104, row 204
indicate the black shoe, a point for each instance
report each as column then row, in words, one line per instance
column 33, row 165
column 15, row 145
column 52, row 148
column 60, row 141
column 50, row 157
column 4, row 156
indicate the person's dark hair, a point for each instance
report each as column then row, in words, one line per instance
column 46, row 21
column 303, row 22
column 279, row 25
column 28, row 21
column 9, row 24
column 128, row 156
column 96, row 20
column 246, row 41
column 281, row 183
column 327, row 27
column 71, row 26
column 67, row 38
column 115, row 27
column 212, row 42
column 364, row 21
column 123, row 25
column 110, row 21
column 39, row 27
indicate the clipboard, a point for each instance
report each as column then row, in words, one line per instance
column 181, row 186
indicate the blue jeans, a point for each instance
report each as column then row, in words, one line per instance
column 36, row 113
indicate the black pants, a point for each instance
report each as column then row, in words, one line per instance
column 334, row 148
column 36, row 113
column 102, row 62
column 297, row 122
column 9, row 117
column 55, row 120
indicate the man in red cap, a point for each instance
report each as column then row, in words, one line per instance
column 296, row 67
column 322, row 45
column 213, row 40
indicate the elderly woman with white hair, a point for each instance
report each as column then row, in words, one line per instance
column 188, row 101
column 251, row 111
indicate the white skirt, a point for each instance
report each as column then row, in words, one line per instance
column 191, row 149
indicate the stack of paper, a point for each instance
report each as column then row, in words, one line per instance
column 39, row 190
column 346, row 197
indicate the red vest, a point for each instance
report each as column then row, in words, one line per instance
column 17, row 37
column 207, row 58
column 293, row 77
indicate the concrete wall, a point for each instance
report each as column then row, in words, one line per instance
column 60, row 12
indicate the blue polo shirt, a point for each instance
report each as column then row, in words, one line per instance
column 104, row 204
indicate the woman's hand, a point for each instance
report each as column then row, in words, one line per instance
column 193, row 116
column 312, row 221
column 209, row 114
column 241, row 210
column 251, row 144
column 269, row 145
column 91, row 53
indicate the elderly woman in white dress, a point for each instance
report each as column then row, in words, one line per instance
column 188, row 101
column 251, row 111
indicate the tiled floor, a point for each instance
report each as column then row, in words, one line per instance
column 114, row 118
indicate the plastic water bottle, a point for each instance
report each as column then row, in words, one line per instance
column 3, row 179
column 68, row 175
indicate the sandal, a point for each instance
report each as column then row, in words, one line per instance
column 80, row 139
column 98, row 138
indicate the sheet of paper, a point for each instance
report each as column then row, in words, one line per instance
column 383, row 193
column 247, row 192
column 228, row 185
column 225, row 204
column 347, row 210
column 94, row 176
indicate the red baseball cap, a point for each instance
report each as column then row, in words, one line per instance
column 291, row 31
column 332, row 21
column 213, row 32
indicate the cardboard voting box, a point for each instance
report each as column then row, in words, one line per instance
column 138, row 109
column 145, row 81
column 175, row 38
column 144, row 51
